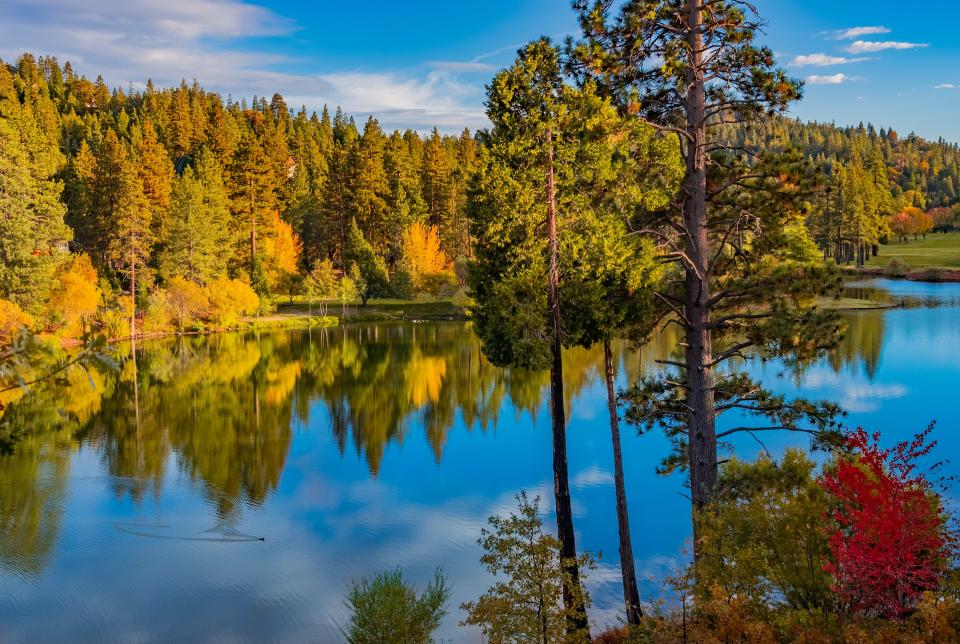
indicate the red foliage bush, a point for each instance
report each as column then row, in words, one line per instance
column 889, row 538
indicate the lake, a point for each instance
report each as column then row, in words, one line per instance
column 235, row 485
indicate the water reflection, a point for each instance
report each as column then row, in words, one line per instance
column 350, row 451
column 862, row 344
column 222, row 406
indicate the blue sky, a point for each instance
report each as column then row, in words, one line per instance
column 424, row 63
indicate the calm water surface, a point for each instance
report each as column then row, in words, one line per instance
column 234, row 486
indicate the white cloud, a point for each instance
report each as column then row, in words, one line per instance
column 866, row 397
column 865, row 46
column 396, row 100
column 832, row 79
column 856, row 32
column 594, row 476
column 821, row 60
column 945, row 86
column 460, row 66
column 129, row 41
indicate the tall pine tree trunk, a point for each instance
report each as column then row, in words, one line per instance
column 253, row 230
column 631, row 596
column 133, row 301
column 572, row 595
column 701, row 418
column 133, row 338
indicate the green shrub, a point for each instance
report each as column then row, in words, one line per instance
column 159, row 315
column 896, row 267
column 461, row 299
column 389, row 610
column 114, row 322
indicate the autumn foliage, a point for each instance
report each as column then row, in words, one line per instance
column 12, row 319
column 229, row 300
column 889, row 541
column 910, row 221
column 427, row 261
column 941, row 217
column 282, row 247
column 75, row 297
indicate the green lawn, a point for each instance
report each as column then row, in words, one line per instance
column 941, row 250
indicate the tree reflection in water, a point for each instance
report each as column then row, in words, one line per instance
column 221, row 410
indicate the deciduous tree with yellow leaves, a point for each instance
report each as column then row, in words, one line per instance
column 426, row 260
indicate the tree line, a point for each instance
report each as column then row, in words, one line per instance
column 145, row 187
column 880, row 187
column 155, row 184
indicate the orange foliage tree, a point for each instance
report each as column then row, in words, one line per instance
column 426, row 260
column 901, row 224
column 911, row 221
column 923, row 223
column 942, row 218
column 12, row 319
column 229, row 300
column 75, row 297
column 282, row 248
column 187, row 301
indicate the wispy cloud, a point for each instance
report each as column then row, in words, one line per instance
column 831, row 79
column 821, row 60
column 395, row 99
column 460, row 66
column 856, row 32
column 945, row 86
column 867, row 46
column 594, row 476
column 867, row 397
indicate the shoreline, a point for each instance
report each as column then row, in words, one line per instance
column 930, row 274
column 297, row 319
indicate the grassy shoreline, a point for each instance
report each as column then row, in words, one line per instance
column 933, row 259
column 926, row 274
column 375, row 310
column 297, row 315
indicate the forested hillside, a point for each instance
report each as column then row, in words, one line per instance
column 148, row 186
column 107, row 189
column 881, row 186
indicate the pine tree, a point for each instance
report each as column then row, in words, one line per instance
column 32, row 232
column 156, row 174
column 179, row 123
column 251, row 182
column 130, row 233
column 368, row 187
column 326, row 229
column 436, row 185
column 79, row 197
column 196, row 242
column 466, row 156
column 107, row 185
column 371, row 273
column 536, row 159
column 405, row 202
column 739, row 284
